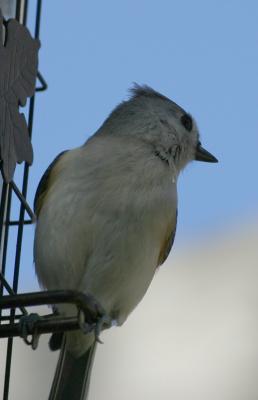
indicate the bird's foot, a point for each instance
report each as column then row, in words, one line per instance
column 96, row 322
column 28, row 329
column 103, row 323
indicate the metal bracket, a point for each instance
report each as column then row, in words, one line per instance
column 86, row 305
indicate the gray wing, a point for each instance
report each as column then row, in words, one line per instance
column 44, row 184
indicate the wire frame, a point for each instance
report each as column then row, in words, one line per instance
column 8, row 191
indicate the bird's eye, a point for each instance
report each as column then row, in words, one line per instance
column 187, row 122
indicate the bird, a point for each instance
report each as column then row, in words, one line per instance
column 106, row 218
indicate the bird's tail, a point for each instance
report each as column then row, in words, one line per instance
column 72, row 376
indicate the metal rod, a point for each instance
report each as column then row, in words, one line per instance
column 25, row 222
column 3, row 209
column 6, row 285
column 6, row 233
column 38, row 15
column 3, row 215
column 91, row 308
column 42, row 326
column 8, row 368
column 7, row 317
column 21, row 11
column 43, row 83
column 23, row 201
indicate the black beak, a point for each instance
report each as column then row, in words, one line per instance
column 203, row 155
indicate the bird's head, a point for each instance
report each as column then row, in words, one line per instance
column 158, row 121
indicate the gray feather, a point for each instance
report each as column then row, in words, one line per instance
column 72, row 376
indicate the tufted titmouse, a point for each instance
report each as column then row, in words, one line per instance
column 106, row 216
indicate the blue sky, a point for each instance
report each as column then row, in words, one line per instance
column 203, row 55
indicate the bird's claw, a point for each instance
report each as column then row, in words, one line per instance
column 102, row 321
column 28, row 329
